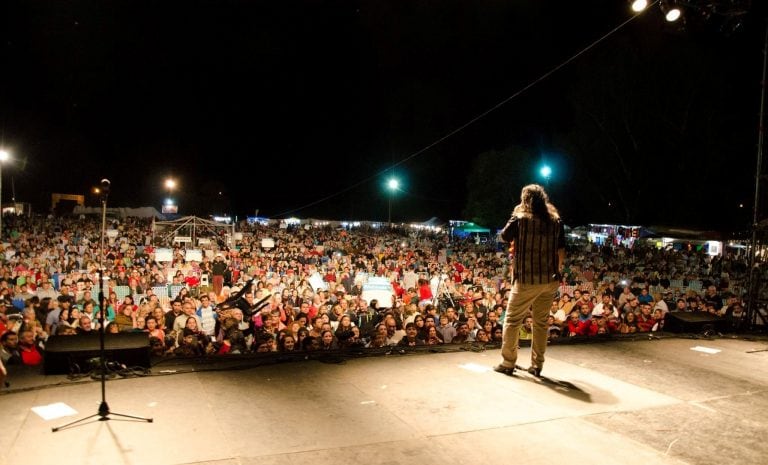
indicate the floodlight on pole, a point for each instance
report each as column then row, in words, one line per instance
column 4, row 156
column 170, row 185
column 393, row 185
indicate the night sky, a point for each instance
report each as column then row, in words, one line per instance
column 300, row 108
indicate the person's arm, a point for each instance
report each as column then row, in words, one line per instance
column 2, row 374
column 509, row 232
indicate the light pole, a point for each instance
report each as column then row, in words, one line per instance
column 170, row 184
column 4, row 156
column 393, row 184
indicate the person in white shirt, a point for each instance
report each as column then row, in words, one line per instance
column 410, row 278
column 434, row 283
column 46, row 290
column 556, row 312
column 188, row 311
column 661, row 305
column 607, row 302
column 207, row 315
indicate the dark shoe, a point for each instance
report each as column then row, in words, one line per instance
column 509, row 371
column 535, row 371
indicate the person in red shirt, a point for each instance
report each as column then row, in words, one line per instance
column 30, row 354
column 645, row 320
column 425, row 293
column 398, row 289
column 330, row 276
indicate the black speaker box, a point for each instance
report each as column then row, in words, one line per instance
column 692, row 322
column 73, row 354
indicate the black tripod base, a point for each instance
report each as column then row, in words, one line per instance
column 104, row 414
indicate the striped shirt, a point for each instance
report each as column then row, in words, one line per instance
column 536, row 243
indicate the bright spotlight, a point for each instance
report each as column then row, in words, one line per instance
column 545, row 171
column 4, row 155
column 639, row 5
column 169, row 201
column 393, row 184
column 673, row 14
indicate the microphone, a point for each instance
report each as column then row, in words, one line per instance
column 105, row 184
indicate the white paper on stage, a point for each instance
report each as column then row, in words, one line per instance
column 163, row 255
column 53, row 411
column 194, row 255
column 706, row 350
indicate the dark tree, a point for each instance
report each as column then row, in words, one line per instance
column 493, row 185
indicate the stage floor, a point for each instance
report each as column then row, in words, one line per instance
column 631, row 402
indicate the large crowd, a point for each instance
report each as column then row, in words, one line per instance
column 305, row 291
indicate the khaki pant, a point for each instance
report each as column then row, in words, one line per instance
column 525, row 296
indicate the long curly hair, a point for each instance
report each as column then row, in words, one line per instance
column 534, row 202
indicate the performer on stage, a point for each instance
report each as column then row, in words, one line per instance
column 537, row 239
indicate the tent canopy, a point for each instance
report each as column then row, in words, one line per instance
column 469, row 228
column 434, row 222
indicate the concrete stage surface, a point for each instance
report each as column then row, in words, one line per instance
column 621, row 402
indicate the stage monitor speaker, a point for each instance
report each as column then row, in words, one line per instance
column 692, row 322
column 76, row 354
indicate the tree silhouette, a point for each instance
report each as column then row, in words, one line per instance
column 493, row 185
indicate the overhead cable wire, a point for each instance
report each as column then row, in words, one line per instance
column 476, row 118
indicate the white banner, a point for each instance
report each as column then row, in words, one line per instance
column 164, row 255
column 317, row 283
column 194, row 255
column 380, row 289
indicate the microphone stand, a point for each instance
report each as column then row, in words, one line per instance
column 103, row 413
